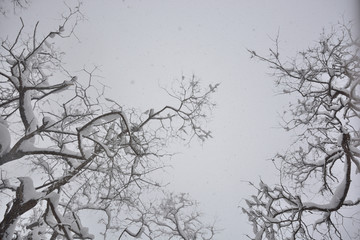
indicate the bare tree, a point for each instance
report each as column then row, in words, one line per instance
column 174, row 216
column 316, row 197
column 88, row 153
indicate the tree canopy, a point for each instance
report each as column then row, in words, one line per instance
column 88, row 154
column 316, row 197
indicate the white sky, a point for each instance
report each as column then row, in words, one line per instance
column 141, row 44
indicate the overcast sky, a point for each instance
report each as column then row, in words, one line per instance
column 141, row 45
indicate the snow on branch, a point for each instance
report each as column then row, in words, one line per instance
column 316, row 170
column 89, row 153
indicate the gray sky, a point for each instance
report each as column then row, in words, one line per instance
column 143, row 44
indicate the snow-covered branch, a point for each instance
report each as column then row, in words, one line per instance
column 88, row 152
column 325, row 80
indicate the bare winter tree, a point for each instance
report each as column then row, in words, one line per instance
column 89, row 155
column 317, row 197
column 173, row 216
